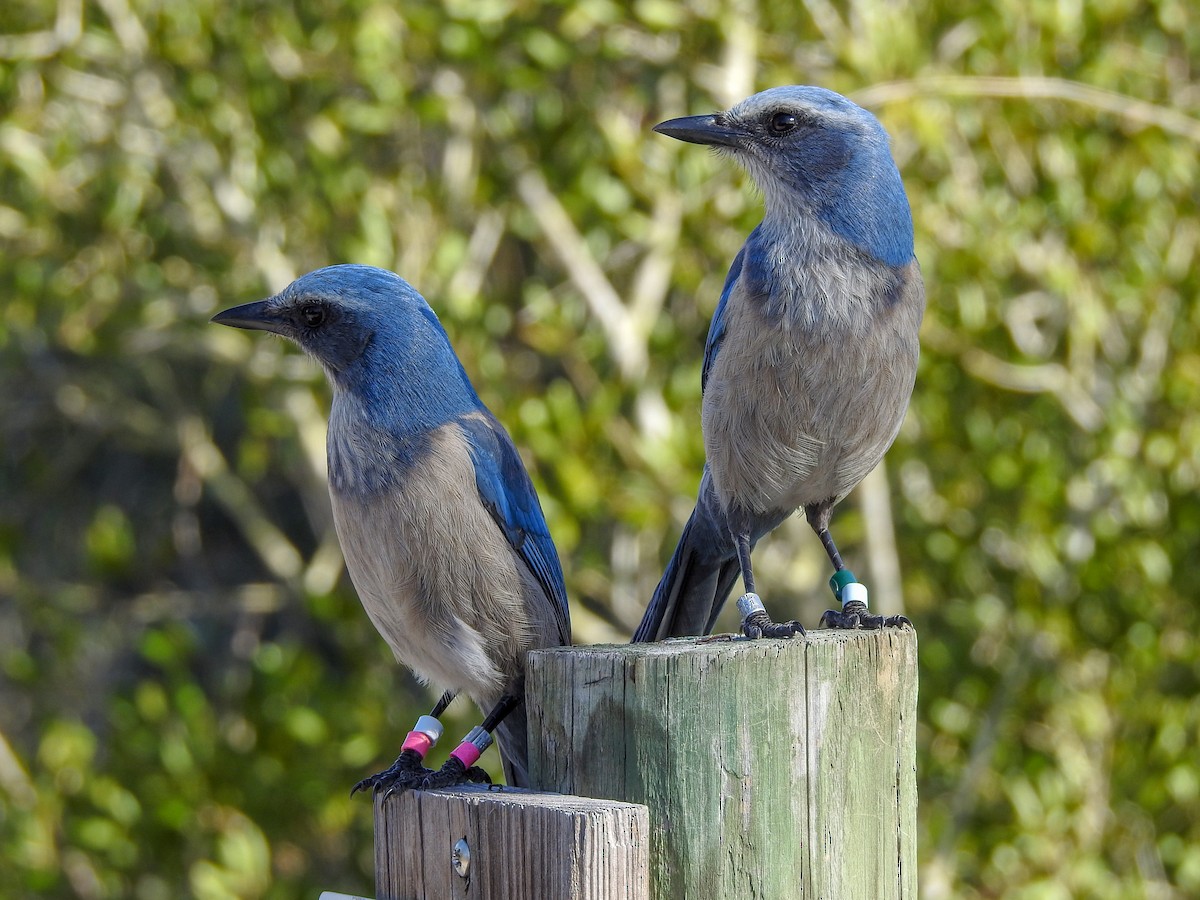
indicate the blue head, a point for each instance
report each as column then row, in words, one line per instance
column 812, row 152
column 376, row 338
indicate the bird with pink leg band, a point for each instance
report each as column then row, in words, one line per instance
column 424, row 736
column 472, row 746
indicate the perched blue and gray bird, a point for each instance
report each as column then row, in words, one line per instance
column 811, row 355
column 442, row 532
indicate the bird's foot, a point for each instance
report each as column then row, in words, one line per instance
column 405, row 773
column 453, row 773
column 856, row 615
column 757, row 624
column 460, row 768
column 854, row 612
column 408, row 774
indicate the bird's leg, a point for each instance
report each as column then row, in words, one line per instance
column 755, row 621
column 831, row 549
column 852, row 595
column 407, row 771
column 742, row 543
column 460, row 767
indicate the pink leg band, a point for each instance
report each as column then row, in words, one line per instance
column 466, row 753
column 418, row 741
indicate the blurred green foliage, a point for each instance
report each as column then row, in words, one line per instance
column 188, row 685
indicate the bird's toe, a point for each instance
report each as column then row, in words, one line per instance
column 759, row 625
column 783, row 629
column 856, row 618
column 405, row 773
column 835, row 619
column 452, row 774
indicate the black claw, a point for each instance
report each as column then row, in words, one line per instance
column 759, row 625
column 834, row 619
column 783, row 629
column 405, row 773
column 855, row 615
column 452, row 774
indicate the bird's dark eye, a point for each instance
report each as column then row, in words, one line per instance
column 782, row 123
column 312, row 315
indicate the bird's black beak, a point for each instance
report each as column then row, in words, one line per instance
column 258, row 316
column 702, row 130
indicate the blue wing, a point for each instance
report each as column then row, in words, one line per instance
column 754, row 285
column 508, row 494
column 716, row 329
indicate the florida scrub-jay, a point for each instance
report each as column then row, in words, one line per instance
column 442, row 532
column 811, row 355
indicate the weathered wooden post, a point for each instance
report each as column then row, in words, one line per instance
column 505, row 844
column 771, row 769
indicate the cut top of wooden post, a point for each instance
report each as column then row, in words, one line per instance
column 781, row 769
column 509, row 844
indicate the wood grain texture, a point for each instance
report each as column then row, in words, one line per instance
column 771, row 769
column 523, row 845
